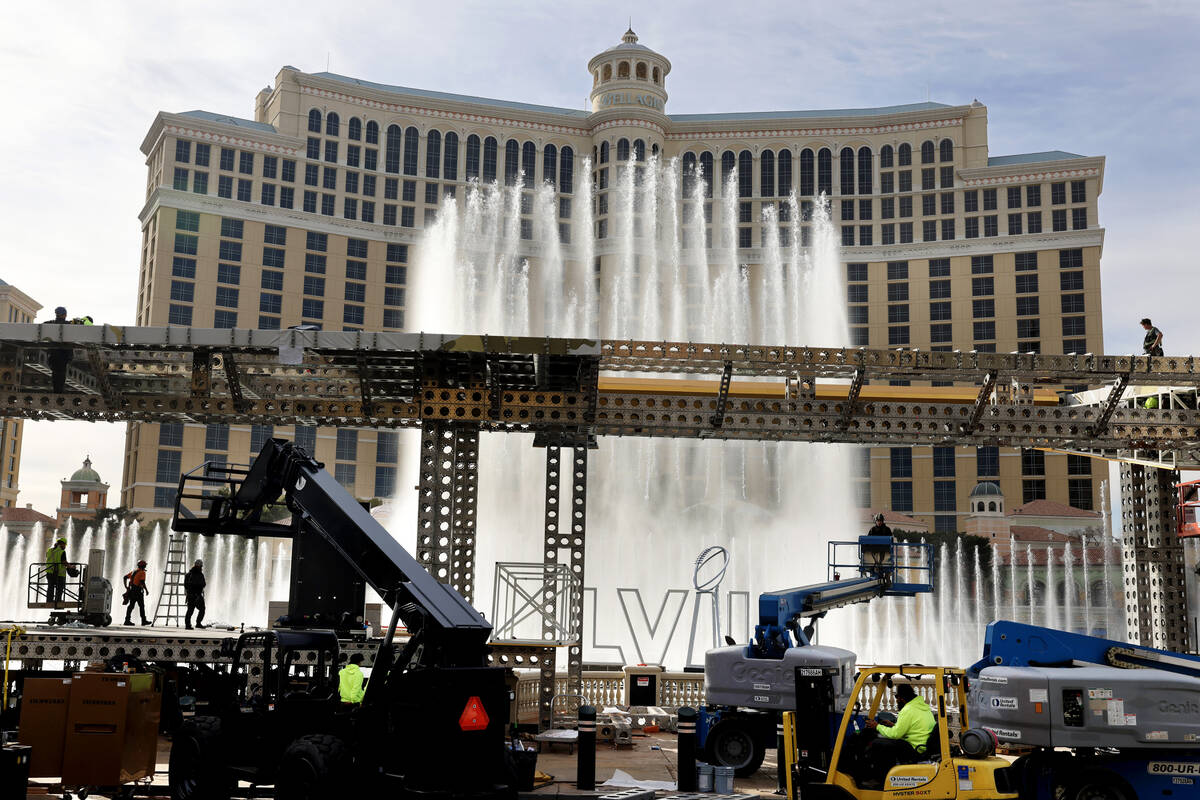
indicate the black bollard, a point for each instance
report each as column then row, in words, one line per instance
column 585, row 768
column 686, row 741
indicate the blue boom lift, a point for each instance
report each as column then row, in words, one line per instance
column 1106, row 720
column 747, row 687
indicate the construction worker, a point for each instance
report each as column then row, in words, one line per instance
column 901, row 742
column 135, row 593
column 193, row 587
column 880, row 528
column 350, row 681
column 60, row 357
column 1152, row 344
column 56, row 571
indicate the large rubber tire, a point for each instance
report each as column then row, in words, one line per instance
column 197, row 768
column 1099, row 784
column 313, row 767
column 731, row 743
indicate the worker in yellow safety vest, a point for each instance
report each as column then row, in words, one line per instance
column 350, row 681
column 902, row 742
column 56, row 571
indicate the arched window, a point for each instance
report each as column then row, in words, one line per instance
column 472, row 157
column 512, row 164
column 623, row 69
column 688, row 181
column 433, row 153
column 766, row 173
column 639, row 150
column 785, row 172
column 807, row 175
column 550, row 164
column 412, row 142
column 864, row 170
column 992, row 505
column 728, row 160
column 372, row 132
column 355, row 128
column 885, row 157
column 450, row 162
column 825, row 171
column 622, row 149
column 706, row 172
column 566, row 171
column 314, row 121
column 529, row 163
column 641, row 71
column 395, row 144
column 657, row 75
column 947, row 150
column 745, row 174
column 904, row 155
column 846, row 162
column 654, row 149
column 604, row 152
column 608, row 72
column 927, row 153
column 332, row 124
column 489, row 159
column 596, row 78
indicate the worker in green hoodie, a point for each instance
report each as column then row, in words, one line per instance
column 350, row 681
column 902, row 742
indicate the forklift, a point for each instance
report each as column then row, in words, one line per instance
column 817, row 760
column 434, row 718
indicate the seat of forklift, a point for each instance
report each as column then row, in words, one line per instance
column 933, row 745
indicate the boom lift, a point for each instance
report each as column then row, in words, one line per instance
column 433, row 720
column 747, row 687
column 1106, row 720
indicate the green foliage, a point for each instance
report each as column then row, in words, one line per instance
column 951, row 541
column 115, row 516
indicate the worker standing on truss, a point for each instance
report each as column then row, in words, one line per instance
column 1152, row 344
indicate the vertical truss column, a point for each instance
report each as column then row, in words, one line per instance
column 1155, row 585
column 579, row 475
column 449, row 481
column 548, row 678
column 466, row 489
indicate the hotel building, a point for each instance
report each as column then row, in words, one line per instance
column 15, row 306
column 313, row 211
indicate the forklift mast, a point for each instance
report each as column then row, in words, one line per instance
column 445, row 629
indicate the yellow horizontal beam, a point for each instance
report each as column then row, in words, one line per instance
column 824, row 391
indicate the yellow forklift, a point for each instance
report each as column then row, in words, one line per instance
column 817, row 740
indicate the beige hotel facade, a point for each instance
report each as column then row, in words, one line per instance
column 312, row 212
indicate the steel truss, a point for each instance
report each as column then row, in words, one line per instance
column 454, row 387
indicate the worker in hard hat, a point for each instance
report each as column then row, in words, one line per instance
column 193, row 588
column 350, row 681
column 60, row 357
column 56, row 571
column 135, row 593
column 880, row 528
column 901, row 742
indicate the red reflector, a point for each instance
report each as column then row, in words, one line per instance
column 473, row 718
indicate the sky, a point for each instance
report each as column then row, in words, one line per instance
column 83, row 82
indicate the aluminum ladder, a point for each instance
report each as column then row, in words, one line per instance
column 172, row 599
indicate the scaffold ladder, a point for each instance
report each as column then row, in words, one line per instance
column 172, row 599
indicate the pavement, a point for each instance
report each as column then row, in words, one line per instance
column 650, row 757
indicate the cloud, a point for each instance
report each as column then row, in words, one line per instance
column 85, row 81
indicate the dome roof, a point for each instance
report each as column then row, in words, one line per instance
column 86, row 473
column 629, row 44
column 987, row 489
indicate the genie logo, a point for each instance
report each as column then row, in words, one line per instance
column 631, row 99
column 743, row 672
column 1186, row 707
